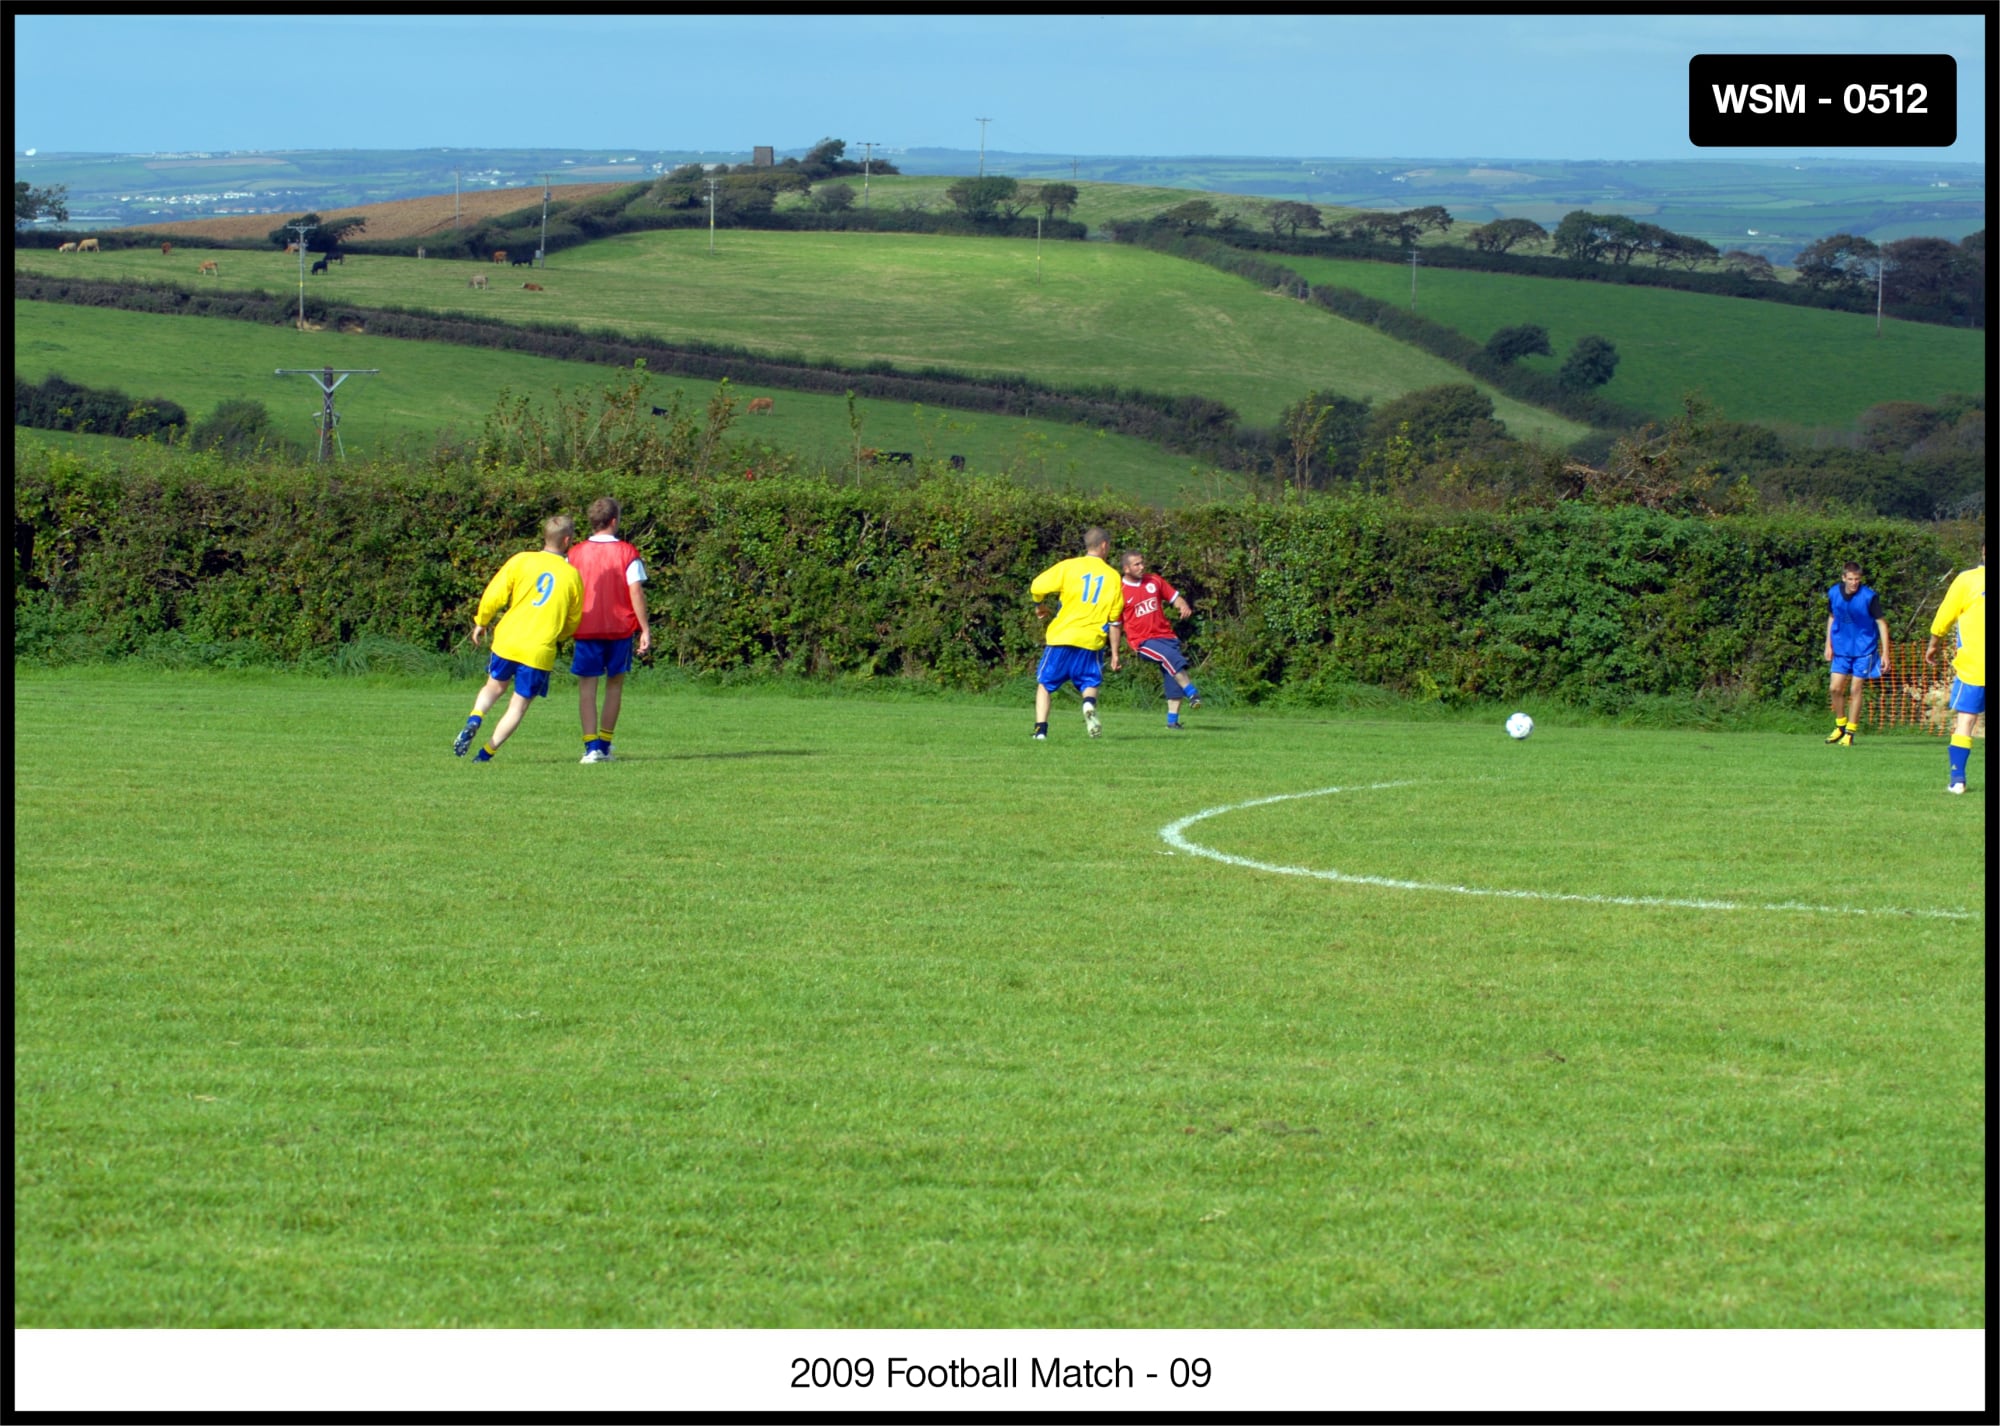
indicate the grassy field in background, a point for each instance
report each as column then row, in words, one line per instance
column 1755, row 361
column 426, row 387
column 1097, row 314
column 869, row 1012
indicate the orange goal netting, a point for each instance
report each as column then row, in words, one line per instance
column 1911, row 694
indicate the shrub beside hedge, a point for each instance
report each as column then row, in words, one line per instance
column 1295, row 600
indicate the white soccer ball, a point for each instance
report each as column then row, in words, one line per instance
column 1520, row 725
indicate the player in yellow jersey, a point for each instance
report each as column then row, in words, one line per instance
column 543, row 597
column 1963, row 614
column 1092, row 600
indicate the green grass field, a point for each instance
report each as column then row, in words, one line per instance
column 1755, row 361
column 869, row 1012
column 1096, row 314
column 426, row 388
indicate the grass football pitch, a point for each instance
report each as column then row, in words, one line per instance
column 868, row 1012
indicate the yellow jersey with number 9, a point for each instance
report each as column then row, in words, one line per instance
column 543, row 597
column 1092, row 598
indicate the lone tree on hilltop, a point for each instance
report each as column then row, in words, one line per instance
column 1591, row 363
column 33, row 203
column 833, row 197
column 978, row 197
column 1502, row 233
column 326, row 236
column 1197, row 213
column 1842, row 261
column 1057, row 198
column 1513, row 343
column 1286, row 218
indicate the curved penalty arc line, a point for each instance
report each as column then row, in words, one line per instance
column 1174, row 835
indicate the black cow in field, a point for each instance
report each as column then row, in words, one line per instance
column 661, row 411
column 958, row 462
column 899, row 457
column 525, row 261
column 319, row 266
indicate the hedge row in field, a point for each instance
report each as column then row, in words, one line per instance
column 1295, row 600
column 1628, row 274
column 1191, row 425
column 1536, row 388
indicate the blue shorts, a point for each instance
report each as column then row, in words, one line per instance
column 528, row 682
column 1868, row 665
column 1967, row 697
column 1064, row 663
column 1167, row 654
column 597, row 658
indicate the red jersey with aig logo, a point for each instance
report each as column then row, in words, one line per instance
column 1144, row 619
column 607, row 568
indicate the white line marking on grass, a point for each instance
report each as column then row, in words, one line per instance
column 1173, row 835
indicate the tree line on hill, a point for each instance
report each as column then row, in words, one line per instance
column 1923, row 279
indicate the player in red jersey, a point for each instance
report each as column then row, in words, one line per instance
column 614, row 609
column 1146, row 628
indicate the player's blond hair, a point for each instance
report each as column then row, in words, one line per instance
column 558, row 529
column 1096, row 535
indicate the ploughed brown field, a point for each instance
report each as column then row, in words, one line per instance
column 403, row 218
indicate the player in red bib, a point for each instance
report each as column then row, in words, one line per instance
column 614, row 609
column 1146, row 628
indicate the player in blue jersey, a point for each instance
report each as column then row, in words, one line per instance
column 1857, row 647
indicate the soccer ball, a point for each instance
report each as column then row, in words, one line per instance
column 1520, row 725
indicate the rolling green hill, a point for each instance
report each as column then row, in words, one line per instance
column 1754, row 361
column 425, row 388
column 1080, row 314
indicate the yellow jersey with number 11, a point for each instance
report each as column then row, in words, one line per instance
column 1092, row 598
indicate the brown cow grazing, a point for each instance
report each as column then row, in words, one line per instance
column 209, row 269
column 88, row 245
column 532, row 287
column 67, row 248
column 291, row 248
column 166, row 248
column 500, row 256
column 479, row 281
column 759, row 405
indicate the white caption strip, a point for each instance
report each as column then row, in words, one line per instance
column 1174, row 836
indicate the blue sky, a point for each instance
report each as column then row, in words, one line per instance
column 1490, row 86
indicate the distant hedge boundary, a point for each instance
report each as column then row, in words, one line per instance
column 1296, row 600
column 1625, row 274
column 1536, row 388
column 1191, row 425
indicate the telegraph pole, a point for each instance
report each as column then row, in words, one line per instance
column 1413, row 277
column 542, row 252
column 711, row 216
column 302, row 229
column 1881, row 268
column 1038, row 248
column 867, row 157
column 982, row 145
column 326, row 378
column 454, row 197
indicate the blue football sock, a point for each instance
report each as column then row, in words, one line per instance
column 1173, row 720
column 1958, row 756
